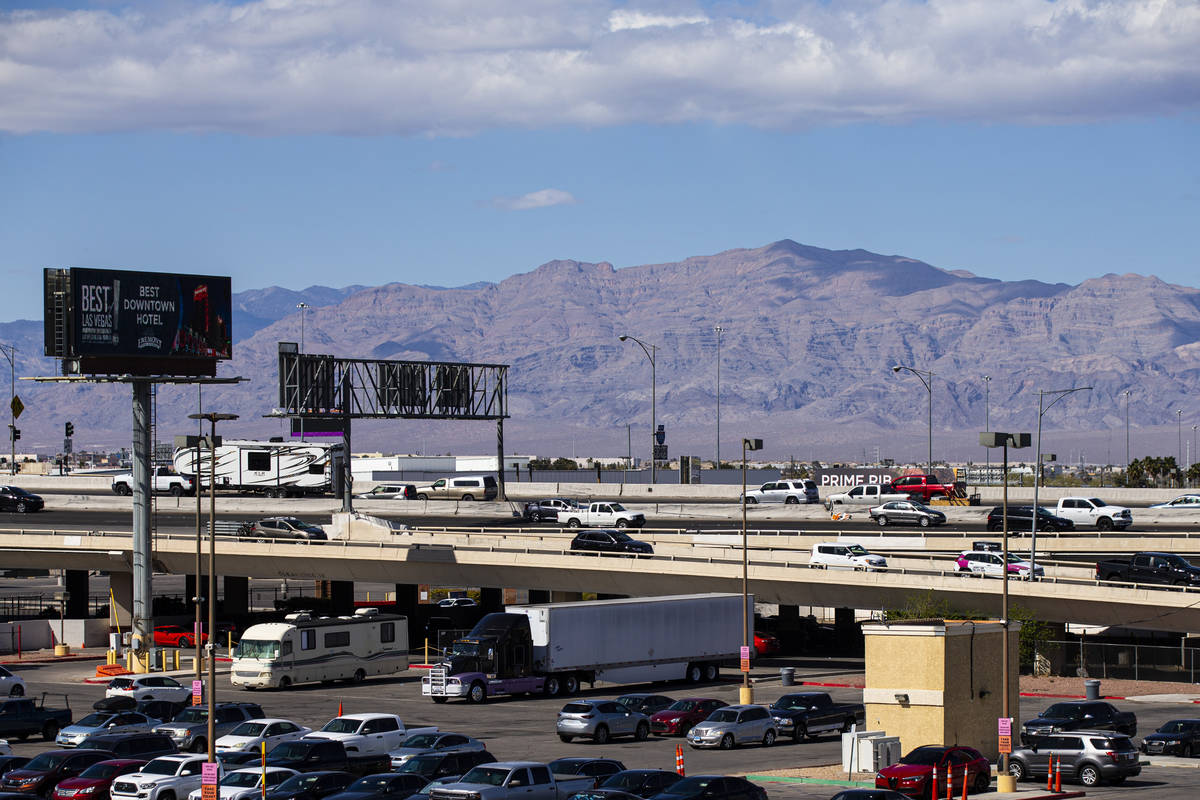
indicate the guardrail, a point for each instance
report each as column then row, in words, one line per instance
column 735, row 557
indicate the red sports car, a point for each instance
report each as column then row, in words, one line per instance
column 913, row 775
column 678, row 718
column 766, row 644
column 176, row 636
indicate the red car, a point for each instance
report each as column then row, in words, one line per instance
column 678, row 718
column 95, row 781
column 913, row 775
column 766, row 644
column 176, row 636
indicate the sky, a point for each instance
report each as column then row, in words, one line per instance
column 339, row 142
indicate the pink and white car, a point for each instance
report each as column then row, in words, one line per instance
column 983, row 562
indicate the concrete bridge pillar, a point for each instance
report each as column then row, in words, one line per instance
column 75, row 584
column 537, row 596
column 121, row 584
column 491, row 600
column 845, row 632
column 341, row 597
column 237, row 596
column 408, row 599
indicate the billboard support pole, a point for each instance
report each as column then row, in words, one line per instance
column 348, row 483
column 143, row 591
column 503, row 495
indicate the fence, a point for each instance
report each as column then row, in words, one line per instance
column 723, row 477
column 1086, row 659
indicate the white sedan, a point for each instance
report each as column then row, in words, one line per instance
column 149, row 687
column 251, row 734
column 11, row 684
column 1187, row 501
column 247, row 784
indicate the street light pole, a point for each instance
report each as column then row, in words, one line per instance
column 718, row 330
column 1126, row 393
column 747, row 692
column 926, row 378
column 1179, row 435
column 651, row 351
column 10, row 352
column 1037, row 466
column 987, row 423
column 213, row 418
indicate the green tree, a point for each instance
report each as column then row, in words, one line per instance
column 927, row 605
column 563, row 463
column 1034, row 632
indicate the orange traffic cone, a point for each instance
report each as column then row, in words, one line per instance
column 966, row 776
column 340, row 713
column 1050, row 774
column 679, row 760
column 1058, row 775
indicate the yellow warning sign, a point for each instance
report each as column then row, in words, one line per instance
column 17, row 406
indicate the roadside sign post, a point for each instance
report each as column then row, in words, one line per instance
column 1004, row 728
column 197, row 692
column 745, row 652
column 208, row 780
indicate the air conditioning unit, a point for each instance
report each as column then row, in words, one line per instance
column 886, row 751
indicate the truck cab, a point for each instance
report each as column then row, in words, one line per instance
column 498, row 650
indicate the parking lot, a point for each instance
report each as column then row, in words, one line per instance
column 524, row 728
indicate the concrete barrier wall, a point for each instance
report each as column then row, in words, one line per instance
column 39, row 634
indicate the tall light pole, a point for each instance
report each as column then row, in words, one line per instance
column 10, row 352
column 1126, row 393
column 987, row 423
column 718, row 330
column 746, row 692
column 926, row 378
column 650, row 351
column 1037, row 465
column 213, row 418
column 1193, row 450
column 1179, row 435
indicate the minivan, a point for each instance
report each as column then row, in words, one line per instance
column 472, row 487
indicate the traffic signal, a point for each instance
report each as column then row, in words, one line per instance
column 70, row 429
column 16, row 433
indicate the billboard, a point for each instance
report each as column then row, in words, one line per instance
column 119, row 313
column 852, row 476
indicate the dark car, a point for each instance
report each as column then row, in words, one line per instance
column 679, row 718
column 597, row 794
column 640, row 782
column 95, row 782
column 311, row 786
column 386, row 786
column 433, row 766
column 1089, row 757
column 546, row 509
column 906, row 512
column 606, row 541
column 712, row 787
column 283, row 528
column 1179, row 737
column 1074, row 715
column 1020, row 518
column 869, row 794
column 45, row 770
column 913, row 775
column 132, row 745
column 14, row 498
column 9, row 763
column 237, row 759
column 598, row 768
column 645, row 703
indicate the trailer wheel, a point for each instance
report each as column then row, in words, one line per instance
column 552, row 687
column 694, row 673
column 478, row 693
column 358, row 677
column 711, row 672
column 570, row 684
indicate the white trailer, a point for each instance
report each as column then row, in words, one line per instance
column 304, row 648
column 277, row 469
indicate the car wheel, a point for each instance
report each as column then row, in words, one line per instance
column 21, row 507
column 1186, row 750
column 751, row 501
column 359, row 676
column 601, row 735
column 1104, row 524
column 552, row 686
column 792, row 501
column 49, row 731
column 468, row 498
column 422, row 497
column 768, row 738
column 1018, row 770
column 199, row 746
column 882, row 520
column 478, row 693
column 981, row 783
column 16, row 691
column 572, row 523
column 285, row 682
column 177, row 491
column 184, row 642
column 924, row 522
column 565, row 739
column 800, row 732
column 642, row 733
column 993, row 527
column 727, row 742
column 122, row 489
column 622, row 523
column 168, row 795
column 570, row 684
column 847, row 725
column 1089, row 775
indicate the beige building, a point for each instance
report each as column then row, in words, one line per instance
column 939, row 682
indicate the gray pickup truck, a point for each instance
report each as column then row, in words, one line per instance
column 513, row 780
column 21, row 718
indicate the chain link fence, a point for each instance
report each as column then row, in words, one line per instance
column 1139, row 662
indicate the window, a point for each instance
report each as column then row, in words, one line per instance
column 381, row 725
column 387, row 632
column 308, row 640
column 258, row 460
column 337, row 639
column 541, row 775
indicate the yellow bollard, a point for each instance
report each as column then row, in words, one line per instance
column 176, row 660
column 426, row 650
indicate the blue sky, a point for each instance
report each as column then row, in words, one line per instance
column 359, row 141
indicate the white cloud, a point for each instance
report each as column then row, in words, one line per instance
column 370, row 67
column 543, row 198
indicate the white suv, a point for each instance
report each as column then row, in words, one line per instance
column 164, row 778
column 848, row 556
column 789, row 492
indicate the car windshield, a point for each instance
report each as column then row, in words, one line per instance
column 45, row 762
column 1177, row 726
column 297, row 783
column 923, row 507
column 683, row 705
column 792, row 702
column 160, row 766
column 421, row 740
column 95, row 720
column 256, row 648
column 342, row 725
column 100, row 770
column 192, row 714
column 857, row 550
column 491, row 776
column 371, row 783
column 722, row 715
column 1068, row 710
column 421, row 765
column 1179, row 562
column 249, row 729
column 239, row 778
column 923, row 755
column 464, row 649
column 688, row 786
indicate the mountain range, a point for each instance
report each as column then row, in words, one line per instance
column 808, row 340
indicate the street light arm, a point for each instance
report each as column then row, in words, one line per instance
column 919, row 373
column 645, row 348
column 1061, row 394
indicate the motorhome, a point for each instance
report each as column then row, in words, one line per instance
column 277, row 469
column 306, row 648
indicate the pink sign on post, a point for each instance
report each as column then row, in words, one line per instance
column 208, row 774
column 197, row 692
column 1005, row 724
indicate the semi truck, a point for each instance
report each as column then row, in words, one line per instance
column 276, row 469
column 552, row 648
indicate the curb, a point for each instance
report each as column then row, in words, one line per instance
column 1073, row 696
column 816, row 781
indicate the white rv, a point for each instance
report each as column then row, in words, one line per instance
column 306, row 648
column 278, row 469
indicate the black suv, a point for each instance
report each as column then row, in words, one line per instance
column 1073, row 715
column 606, row 541
column 439, row 765
column 1020, row 518
column 1089, row 757
column 132, row 745
column 283, row 528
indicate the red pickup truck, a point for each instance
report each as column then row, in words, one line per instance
column 925, row 487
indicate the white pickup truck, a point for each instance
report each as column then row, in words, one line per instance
column 1092, row 511
column 162, row 479
column 867, row 494
column 602, row 515
column 367, row 734
column 164, row 777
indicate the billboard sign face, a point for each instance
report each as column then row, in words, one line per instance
column 850, row 477
column 155, row 314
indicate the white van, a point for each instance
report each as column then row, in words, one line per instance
column 846, row 556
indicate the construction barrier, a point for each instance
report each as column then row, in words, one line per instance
column 679, row 760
